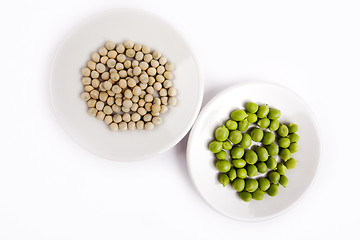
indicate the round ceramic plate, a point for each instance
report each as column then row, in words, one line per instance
column 118, row 25
column 201, row 162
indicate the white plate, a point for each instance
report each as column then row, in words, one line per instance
column 201, row 161
column 119, row 25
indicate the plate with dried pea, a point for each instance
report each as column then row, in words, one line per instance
column 126, row 90
column 253, row 151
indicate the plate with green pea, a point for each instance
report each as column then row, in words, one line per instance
column 254, row 151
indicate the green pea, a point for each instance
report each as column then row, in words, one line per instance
column 241, row 173
column 262, row 153
column 252, row 107
column 274, row 125
column 250, row 157
column 238, row 184
column 232, row 174
column 251, row 185
column 273, row 149
column 215, row 146
column 224, row 179
column 257, row 134
column 261, row 166
column 251, row 170
column 237, row 152
column 238, row 115
column 245, row 196
column 231, row 124
column 294, row 137
column 252, row 117
column 245, row 141
column 274, row 177
column 223, row 166
column 291, row 163
column 274, row 113
column 221, row 155
column 281, row 169
column 273, row 190
column 264, row 184
column 284, row 142
column 221, row 133
column 283, row 130
column 268, row 138
column 293, row 127
column 243, row 125
column 283, row 180
column 271, row 163
column 227, row 145
column 238, row 163
column 293, row 147
column 235, row 136
column 285, row 154
column 258, row 194
column 263, row 111
column 263, row 123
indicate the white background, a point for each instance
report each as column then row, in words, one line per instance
column 50, row 188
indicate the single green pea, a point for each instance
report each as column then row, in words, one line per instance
column 237, row 152
column 261, row 166
column 273, row 149
column 238, row 115
column 238, row 163
column 274, row 177
column 283, row 130
column 264, row 184
column 273, row 190
column 221, row 133
column 291, row 163
column 283, row 181
column 274, row 125
column 238, row 184
column 257, row 134
column 245, row 196
column 262, row 153
column 223, row 166
column 215, row 146
column 284, row 142
column 268, row 138
column 258, row 194
column 285, row 154
column 271, row 163
column 231, row 124
column 227, row 145
column 245, row 141
column 221, row 155
column 294, row 137
column 274, row 113
column 224, row 179
column 263, row 123
column 252, row 117
column 235, row 136
column 281, row 169
column 251, row 170
column 243, row 125
column 293, row 147
column 252, row 107
column 250, row 157
column 231, row 174
column 293, row 127
column 251, row 185
column 263, row 111
column 241, row 173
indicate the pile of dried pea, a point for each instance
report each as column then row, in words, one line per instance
column 253, row 151
column 128, row 86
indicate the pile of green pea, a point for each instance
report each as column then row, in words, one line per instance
column 247, row 147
